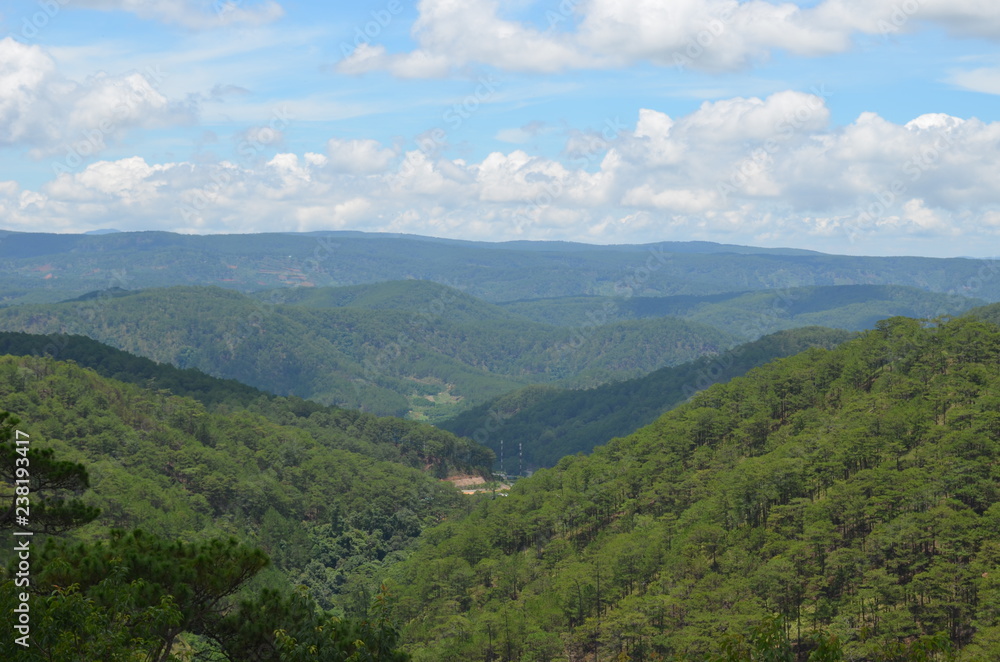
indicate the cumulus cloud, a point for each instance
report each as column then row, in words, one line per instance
column 455, row 33
column 745, row 169
column 358, row 156
column 710, row 35
column 49, row 114
column 192, row 14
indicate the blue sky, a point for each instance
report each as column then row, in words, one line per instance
column 847, row 126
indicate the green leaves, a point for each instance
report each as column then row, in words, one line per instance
column 834, row 505
column 51, row 481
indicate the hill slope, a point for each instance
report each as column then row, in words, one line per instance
column 749, row 315
column 410, row 443
column 330, row 518
column 551, row 423
column 852, row 492
column 385, row 360
column 36, row 267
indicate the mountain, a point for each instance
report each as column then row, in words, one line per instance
column 548, row 423
column 410, row 443
column 749, row 315
column 42, row 268
column 424, row 298
column 329, row 518
column 846, row 498
column 451, row 353
column 990, row 313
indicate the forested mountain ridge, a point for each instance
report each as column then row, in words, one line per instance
column 748, row 315
column 852, row 492
column 990, row 313
column 330, row 518
column 386, row 360
column 425, row 298
column 550, row 423
column 41, row 268
column 410, row 443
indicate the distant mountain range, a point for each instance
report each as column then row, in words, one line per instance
column 443, row 347
column 40, row 268
column 428, row 350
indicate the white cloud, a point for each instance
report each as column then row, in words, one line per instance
column 743, row 170
column 50, row 114
column 522, row 134
column 192, row 14
column 456, row 33
column 712, row 35
column 358, row 156
column 964, row 18
column 985, row 79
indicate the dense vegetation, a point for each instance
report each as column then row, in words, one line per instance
column 134, row 596
column 329, row 518
column 749, row 315
column 410, row 443
column 550, row 423
column 384, row 360
column 39, row 267
column 990, row 313
column 851, row 494
column 841, row 504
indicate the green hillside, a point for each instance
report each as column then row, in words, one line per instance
column 388, row 361
column 329, row 518
column 989, row 313
column 39, row 268
column 551, row 423
column 430, row 300
column 411, row 443
column 749, row 315
column 850, row 493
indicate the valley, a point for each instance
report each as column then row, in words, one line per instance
column 560, row 476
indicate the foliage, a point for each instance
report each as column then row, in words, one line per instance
column 551, row 423
column 136, row 596
column 48, row 482
column 371, row 358
column 852, row 493
column 750, row 314
column 331, row 518
column 411, row 443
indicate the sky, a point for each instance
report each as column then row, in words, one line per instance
column 864, row 127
